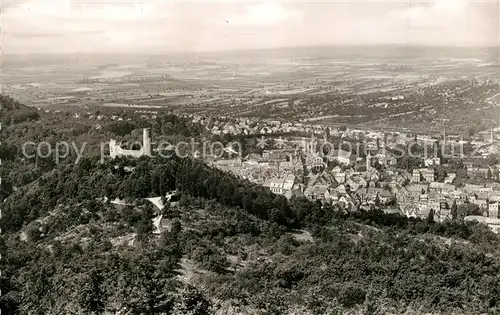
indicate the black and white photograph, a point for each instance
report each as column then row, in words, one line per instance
column 249, row 157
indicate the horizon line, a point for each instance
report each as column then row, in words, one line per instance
column 395, row 45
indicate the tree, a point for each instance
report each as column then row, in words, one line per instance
column 492, row 159
column 409, row 162
column 472, row 131
column 440, row 174
column 377, row 201
column 467, row 209
column 430, row 216
column 454, row 210
column 144, row 227
column 6, row 188
column 440, row 150
column 352, row 295
column 148, row 287
column 192, row 302
column 91, row 296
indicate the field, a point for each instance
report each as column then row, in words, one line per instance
column 382, row 87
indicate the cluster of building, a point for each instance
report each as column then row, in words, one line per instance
column 328, row 177
column 419, row 199
column 249, row 126
column 371, row 181
column 352, row 182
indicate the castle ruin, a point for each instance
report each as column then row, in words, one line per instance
column 116, row 150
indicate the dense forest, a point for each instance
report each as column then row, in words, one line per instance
column 226, row 247
column 250, row 250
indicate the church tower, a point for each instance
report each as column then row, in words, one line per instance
column 312, row 144
column 368, row 161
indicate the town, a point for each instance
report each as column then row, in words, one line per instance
column 439, row 177
column 262, row 157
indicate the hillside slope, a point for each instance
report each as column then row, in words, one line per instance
column 15, row 112
column 68, row 251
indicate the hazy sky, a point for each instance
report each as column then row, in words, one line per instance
column 159, row 25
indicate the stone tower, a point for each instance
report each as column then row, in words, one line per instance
column 146, row 142
column 368, row 161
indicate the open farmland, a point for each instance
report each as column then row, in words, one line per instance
column 387, row 87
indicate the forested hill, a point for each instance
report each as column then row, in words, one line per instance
column 228, row 246
column 9, row 104
column 15, row 112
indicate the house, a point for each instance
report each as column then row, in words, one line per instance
column 448, row 188
column 373, row 175
column 346, row 202
column 434, row 205
column 319, row 187
column 254, row 157
column 410, row 209
column 317, row 192
column 429, row 174
column 492, row 223
column 493, row 186
column 387, row 160
column 432, row 162
column 371, row 194
column 322, row 179
column 335, row 197
column 275, row 156
column 404, row 178
column 468, row 164
column 417, row 189
column 343, row 157
column 436, row 187
column 292, row 166
column 449, row 178
column 289, row 182
column 393, row 211
column 423, row 209
column 416, row 177
column 315, row 161
column 484, row 194
column 472, row 188
column 443, row 214
column 493, row 210
column 336, row 170
column 341, row 189
column 282, row 185
column 477, row 171
column 482, row 203
column 356, row 183
column 482, row 172
column 296, row 192
column 340, row 177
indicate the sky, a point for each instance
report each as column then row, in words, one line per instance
column 153, row 26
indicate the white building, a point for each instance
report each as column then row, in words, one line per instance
column 116, row 150
column 493, row 210
column 432, row 162
column 281, row 186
